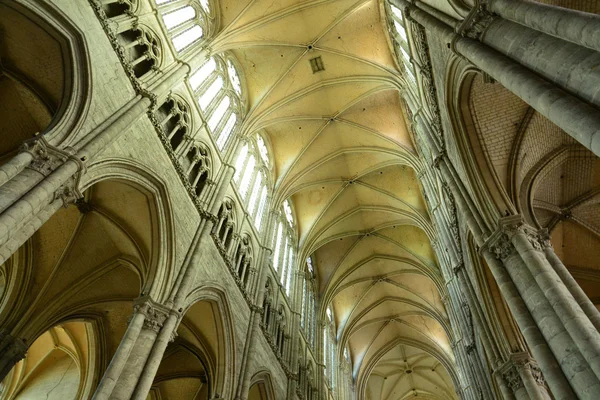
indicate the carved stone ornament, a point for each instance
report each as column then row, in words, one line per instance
column 544, row 238
column 12, row 348
column 502, row 247
column 46, row 158
column 477, row 22
column 512, row 377
column 154, row 313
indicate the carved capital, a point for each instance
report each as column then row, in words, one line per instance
column 501, row 247
column 512, row 377
column 46, row 158
column 544, row 238
column 477, row 22
column 12, row 349
column 438, row 159
column 458, row 267
column 155, row 314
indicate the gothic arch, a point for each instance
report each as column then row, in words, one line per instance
column 210, row 302
column 69, row 352
column 54, row 107
column 261, row 386
column 443, row 359
column 161, row 271
column 477, row 168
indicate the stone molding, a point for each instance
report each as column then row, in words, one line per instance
column 155, row 314
column 47, row 159
column 14, row 349
column 476, row 22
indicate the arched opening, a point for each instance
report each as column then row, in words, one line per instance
column 528, row 165
column 30, row 96
column 91, row 260
column 261, row 387
column 196, row 365
column 60, row 364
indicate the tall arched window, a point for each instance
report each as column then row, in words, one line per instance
column 401, row 42
column 185, row 21
column 252, row 179
column 329, row 349
column 218, row 90
column 284, row 245
column 308, row 303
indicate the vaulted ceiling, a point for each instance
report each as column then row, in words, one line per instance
column 343, row 155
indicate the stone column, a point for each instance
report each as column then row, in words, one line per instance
column 166, row 335
column 578, row 294
column 52, row 173
column 547, row 55
column 574, row 26
column 535, row 317
column 11, row 352
column 155, row 316
column 119, row 360
column 576, row 117
column 523, row 378
column 576, row 323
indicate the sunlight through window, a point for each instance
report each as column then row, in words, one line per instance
column 226, row 133
column 178, row 17
column 210, row 93
column 188, row 37
column 214, row 120
column 200, row 76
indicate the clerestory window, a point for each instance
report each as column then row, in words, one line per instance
column 185, row 22
column 252, row 180
column 218, row 88
column 401, row 43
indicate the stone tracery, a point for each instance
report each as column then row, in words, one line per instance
column 374, row 168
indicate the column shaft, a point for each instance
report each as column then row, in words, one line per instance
column 565, row 64
column 156, row 355
column 574, row 26
column 109, row 380
column 578, row 294
column 539, row 347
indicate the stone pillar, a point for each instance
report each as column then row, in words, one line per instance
column 107, row 384
column 578, row 294
column 574, row 26
column 576, row 323
column 166, row 335
column 142, row 355
column 522, row 379
column 549, row 56
column 576, row 117
column 11, row 352
column 54, row 174
column 538, row 322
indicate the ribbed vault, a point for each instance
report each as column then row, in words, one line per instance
column 343, row 155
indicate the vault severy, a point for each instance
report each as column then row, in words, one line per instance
column 344, row 156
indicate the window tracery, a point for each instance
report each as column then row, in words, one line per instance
column 141, row 49
column 185, row 22
column 251, row 178
column 308, row 303
column 242, row 265
column 174, row 119
column 329, row 349
column 218, row 90
column 114, row 8
column 199, row 168
column 401, row 44
column 223, row 230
